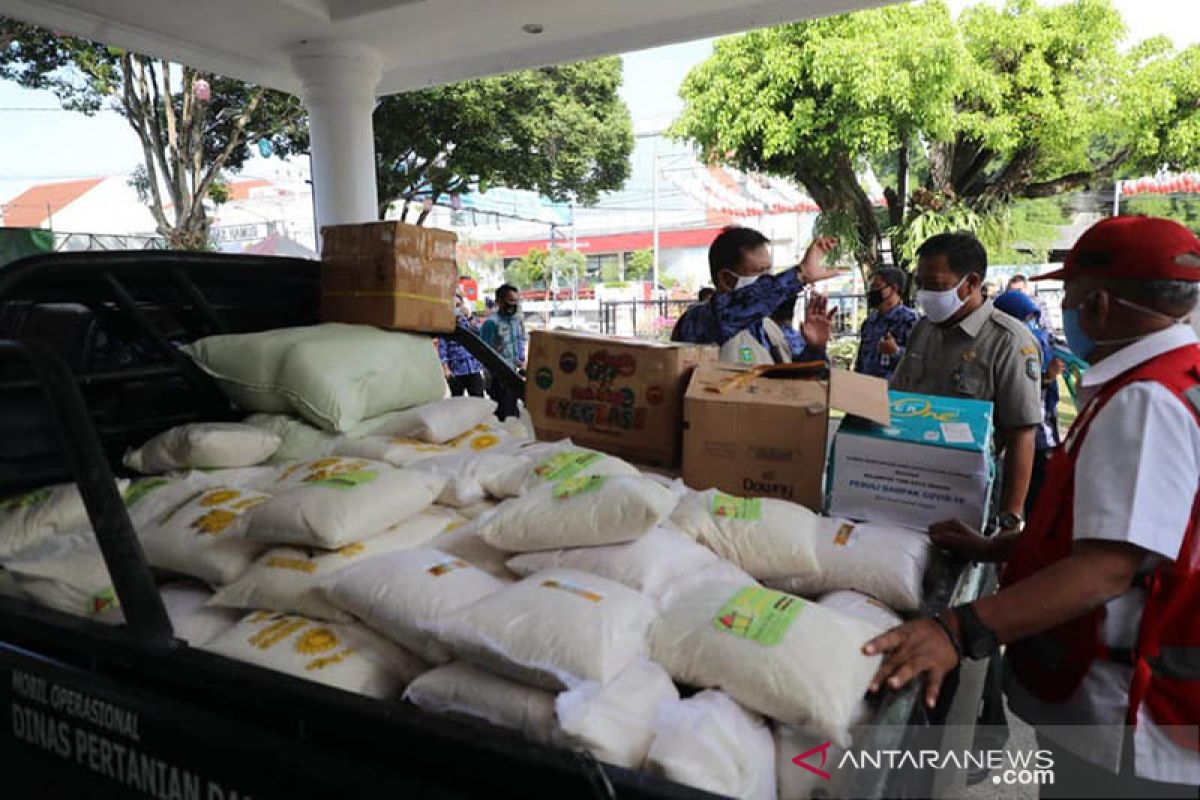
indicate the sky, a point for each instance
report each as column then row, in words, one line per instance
column 48, row 144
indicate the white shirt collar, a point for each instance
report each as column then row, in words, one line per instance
column 1138, row 353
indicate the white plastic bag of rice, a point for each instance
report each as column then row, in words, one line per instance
column 767, row 538
column 204, row 445
column 463, row 541
column 475, row 510
column 66, row 573
column 712, row 743
column 884, row 561
column 192, row 619
column 27, row 519
column 295, row 580
column 399, row 451
column 537, row 464
column 343, row 655
column 647, row 564
column 615, row 721
column 149, row 500
column 205, row 537
column 787, row 658
column 333, row 501
column 464, row 472
column 460, row 688
column 299, row 441
column 554, row 629
column 792, row 741
column 333, row 375
column 437, row 422
column 584, row 511
column 408, row 595
column 862, row 606
column 719, row 572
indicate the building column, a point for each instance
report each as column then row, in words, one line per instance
column 338, row 81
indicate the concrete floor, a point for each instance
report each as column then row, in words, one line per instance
column 1020, row 738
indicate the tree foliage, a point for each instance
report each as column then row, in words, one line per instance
column 545, row 268
column 186, row 141
column 639, row 265
column 562, row 131
column 958, row 119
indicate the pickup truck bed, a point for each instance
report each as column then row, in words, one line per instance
column 88, row 366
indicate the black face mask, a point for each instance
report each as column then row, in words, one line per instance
column 508, row 309
column 875, row 298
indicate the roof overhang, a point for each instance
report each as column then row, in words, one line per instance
column 420, row 42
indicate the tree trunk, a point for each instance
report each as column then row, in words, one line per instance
column 836, row 189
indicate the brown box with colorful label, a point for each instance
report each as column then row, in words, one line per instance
column 389, row 274
column 622, row 396
column 757, row 433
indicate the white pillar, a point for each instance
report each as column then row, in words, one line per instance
column 338, row 81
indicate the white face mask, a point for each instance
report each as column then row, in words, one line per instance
column 941, row 306
column 744, row 280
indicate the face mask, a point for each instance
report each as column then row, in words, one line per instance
column 941, row 306
column 1130, row 304
column 875, row 298
column 509, row 309
column 1080, row 343
column 743, row 280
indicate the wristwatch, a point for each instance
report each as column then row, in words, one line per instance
column 978, row 640
column 1009, row 521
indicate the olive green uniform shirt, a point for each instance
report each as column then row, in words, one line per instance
column 987, row 356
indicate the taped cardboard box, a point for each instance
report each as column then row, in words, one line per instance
column 754, row 432
column 933, row 462
column 622, row 396
column 389, row 274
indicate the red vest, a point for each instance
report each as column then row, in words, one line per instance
column 1166, row 660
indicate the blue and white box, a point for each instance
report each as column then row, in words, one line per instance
column 934, row 462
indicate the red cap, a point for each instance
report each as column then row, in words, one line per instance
column 1133, row 247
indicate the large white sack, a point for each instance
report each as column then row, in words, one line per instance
column 712, row 743
column 460, row 688
column 719, row 572
column 584, row 511
column 27, row 519
column 437, row 422
column 399, row 451
column 767, row 538
column 464, row 471
column 537, row 464
column 862, row 606
column 66, row 573
column 647, row 564
column 408, row 595
column 791, row 741
column 205, row 537
column 333, row 375
column 333, row 501
column 615, row 721
column 789, row 659
column 554, row 629
column 149, row 500
column 463, row 541
column 192, row 619
column 204, row 445
column 343, row 655
column 296, row 580
column 299, row 441
column 884, row 561
column 475, row 510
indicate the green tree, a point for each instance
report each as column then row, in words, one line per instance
column 639, row 265
column 959, row 120
column 562, row 131
column 187, row 141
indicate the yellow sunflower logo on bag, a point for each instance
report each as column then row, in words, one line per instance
column 318, row 640
column 485, row 441
column 219, row 497
column 214, row 522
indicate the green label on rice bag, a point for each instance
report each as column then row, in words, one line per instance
column 579, row 485
column 566, row 465
column 347, row 481
column 761, row 615
column 142, row 487
column 103, row 600
column 28, row 500
column 726, row 505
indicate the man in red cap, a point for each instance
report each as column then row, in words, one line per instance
column 1100, row 597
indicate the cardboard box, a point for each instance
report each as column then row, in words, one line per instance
column 389, row 274
column 766, row 436
column 622, row 396
column 933, row 462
